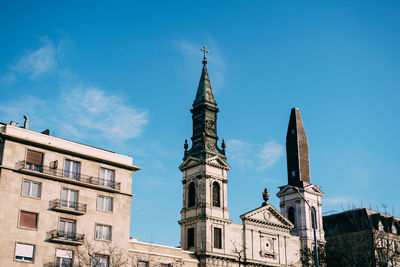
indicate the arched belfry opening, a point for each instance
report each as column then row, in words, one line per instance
column 191, row 195
column 216, row 194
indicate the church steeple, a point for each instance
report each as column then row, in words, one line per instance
column 204, row 139
column 297, row 151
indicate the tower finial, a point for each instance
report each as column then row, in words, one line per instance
column 265, row 195
column 204, row 49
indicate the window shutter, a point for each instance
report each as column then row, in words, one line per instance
column 61, row 253
column 28, row 219
column 23, row 250
column 34, row 157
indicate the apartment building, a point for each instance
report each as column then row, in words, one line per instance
column 362, row 237
column 62, row 203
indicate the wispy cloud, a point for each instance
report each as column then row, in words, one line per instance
column 79, row 110
column 97, row 110
column 35, row 63
column 192, row 56
column 82, row 112
column 269, row 154
column 258, row 156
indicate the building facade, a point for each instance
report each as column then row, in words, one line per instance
column 263, row 238
column 362, row 237
column 61, row 202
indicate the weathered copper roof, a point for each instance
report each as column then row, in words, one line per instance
column 204, row 139
column 204, row 90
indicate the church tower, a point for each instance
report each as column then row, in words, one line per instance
column 204, row 214
column 300, row 199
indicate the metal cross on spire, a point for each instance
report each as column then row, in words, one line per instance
column 204, row 49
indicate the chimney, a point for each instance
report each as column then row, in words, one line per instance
column 26, row 122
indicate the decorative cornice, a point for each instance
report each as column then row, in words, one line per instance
column 194, row 219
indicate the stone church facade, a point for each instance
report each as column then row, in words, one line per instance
column 266, row 236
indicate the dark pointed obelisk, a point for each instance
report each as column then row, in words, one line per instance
column 298, row 164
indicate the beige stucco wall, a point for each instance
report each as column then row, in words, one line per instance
column 157, row 254
column 12, row 200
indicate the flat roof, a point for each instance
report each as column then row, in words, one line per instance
column 64, row 145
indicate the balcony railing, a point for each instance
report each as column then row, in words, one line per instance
column 68, row 206
column 67, row 175
column 70, row 238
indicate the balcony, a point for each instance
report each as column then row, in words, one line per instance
column 68, row 177
column 68, row 238
column 68, row 206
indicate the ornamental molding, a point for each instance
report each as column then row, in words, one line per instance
column 310, row 189
column 195, row 219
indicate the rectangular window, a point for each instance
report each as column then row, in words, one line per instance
column 72, row 169
column 106, row 177
column 24, row 252
column 28, row 219
column 34, row 160
column 105, row 203
column 66, row 228
column 217, row 237
column 190, row 238
column 69, row 198
column 103, row 232
column 101, row 261
column 165, row 265
column 64, row 258
column 143, row 264
column 31, row 188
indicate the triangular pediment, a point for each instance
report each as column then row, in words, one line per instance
column 267, row 215
column 290, row 189
column 190, row 162
column 214, row 161
column 313, row 189
column 218, row 162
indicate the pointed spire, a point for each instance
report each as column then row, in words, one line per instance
column 297, row 151
column 204, row 139
column 204, row 90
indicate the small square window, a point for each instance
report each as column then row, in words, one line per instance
column 24, row 252
column 103, row 232
column 28, row 219
column 105, row 203
column 101, row 261
column 143, row 264
column 31, row 188
column 64, row 258
column 67, row 228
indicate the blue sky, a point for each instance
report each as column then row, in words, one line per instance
column 123, row 76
